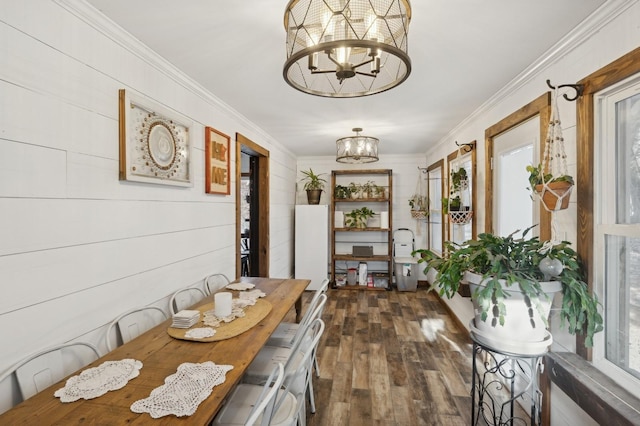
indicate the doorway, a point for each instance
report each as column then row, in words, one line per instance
column 252, row 208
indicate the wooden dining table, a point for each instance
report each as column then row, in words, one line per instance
column 161, row 355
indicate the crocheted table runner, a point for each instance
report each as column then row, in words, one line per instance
column 182, row 392
column 96, row 381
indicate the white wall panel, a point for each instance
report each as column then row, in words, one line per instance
column 29, row 171
column 78, row 246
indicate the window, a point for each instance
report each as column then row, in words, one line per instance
column 435, row 186
column 617, row 230
column 461, row 226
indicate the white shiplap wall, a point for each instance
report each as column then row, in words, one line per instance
column 78, row 246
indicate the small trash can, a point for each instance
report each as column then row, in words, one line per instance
column 405, row 265
column 406, row 272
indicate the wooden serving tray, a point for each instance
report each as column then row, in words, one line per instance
column 253, row 315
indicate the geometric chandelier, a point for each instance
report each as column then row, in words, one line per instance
column 357, row 149
column 346, row 48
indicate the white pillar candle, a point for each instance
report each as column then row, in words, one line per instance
column 223, row 304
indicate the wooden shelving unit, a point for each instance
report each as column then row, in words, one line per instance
column 381, row 263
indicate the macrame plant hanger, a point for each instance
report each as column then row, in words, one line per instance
column 421, row 205
column 554, row 195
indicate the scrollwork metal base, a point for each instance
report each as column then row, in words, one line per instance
column 499, row 380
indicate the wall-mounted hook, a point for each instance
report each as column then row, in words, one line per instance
column 466, row 147
column 423, row 170
column 579, row 88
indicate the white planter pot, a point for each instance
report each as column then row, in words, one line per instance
column 520, row 333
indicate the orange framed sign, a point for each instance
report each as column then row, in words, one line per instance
column 217, row 173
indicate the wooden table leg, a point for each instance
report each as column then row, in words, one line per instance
column 299, row 309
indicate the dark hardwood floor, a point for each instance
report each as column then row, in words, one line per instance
column 378, row 368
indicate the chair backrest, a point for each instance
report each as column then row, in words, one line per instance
column 40, row 370
column 297, row 369
column 314, row 312
column 266, row 401
column 184, row 298
column 215, row 282
column 134, row 322
column 314, row 301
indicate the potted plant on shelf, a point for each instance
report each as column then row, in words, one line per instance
column 357, row 218
column 355, row 189
column 419, row 206
column 554, row 191
column 314, row 185
column 341, row 192
column 510, row 280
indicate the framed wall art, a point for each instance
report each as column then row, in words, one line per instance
column 155, row 144
column 216, row 162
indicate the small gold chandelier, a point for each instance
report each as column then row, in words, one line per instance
column 346, row 48
column 357, row 149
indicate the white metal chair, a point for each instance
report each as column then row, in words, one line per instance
column 298, row 362
column 42, row 369
column 134, row 322
column 251, row 404
column 184, row 298
column 215, row 282
column 285, row 333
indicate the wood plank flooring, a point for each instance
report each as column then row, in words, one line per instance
column 377, row 367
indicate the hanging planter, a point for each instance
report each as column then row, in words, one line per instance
column 555, row 195
column 549, row 180
column 419, row 203
column 461, row 217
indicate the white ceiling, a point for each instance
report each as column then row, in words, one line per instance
column 462, row 52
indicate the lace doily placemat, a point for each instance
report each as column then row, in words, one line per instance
column 182, row 392
column 94, row 382
column 200, row 332
column 241, row 286
column 252, row 316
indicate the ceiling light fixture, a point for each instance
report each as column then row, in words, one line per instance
column 357, row 149
column 346, row 48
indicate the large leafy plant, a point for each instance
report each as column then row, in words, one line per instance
column 517, row 262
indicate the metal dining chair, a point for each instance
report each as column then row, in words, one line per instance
column 42, row 369
column 133, row 323
column 184, row 298
column 294, row 358
column 286, row 332
column 215, row 282
column 251, row 404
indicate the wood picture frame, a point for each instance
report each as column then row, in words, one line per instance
column 217, row 162
column 155, row 145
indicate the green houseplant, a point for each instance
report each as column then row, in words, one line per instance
column 313, row 184
column 419, row 206
column 341, row 192
column 553, row 195
column 357, row 218
column 520, row 265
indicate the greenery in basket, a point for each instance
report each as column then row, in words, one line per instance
column 355, row 189
column 312, row 181
column 536, row 175
column 419, row 202
column 358, row 217
column 517, row 261
column 458, row 180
